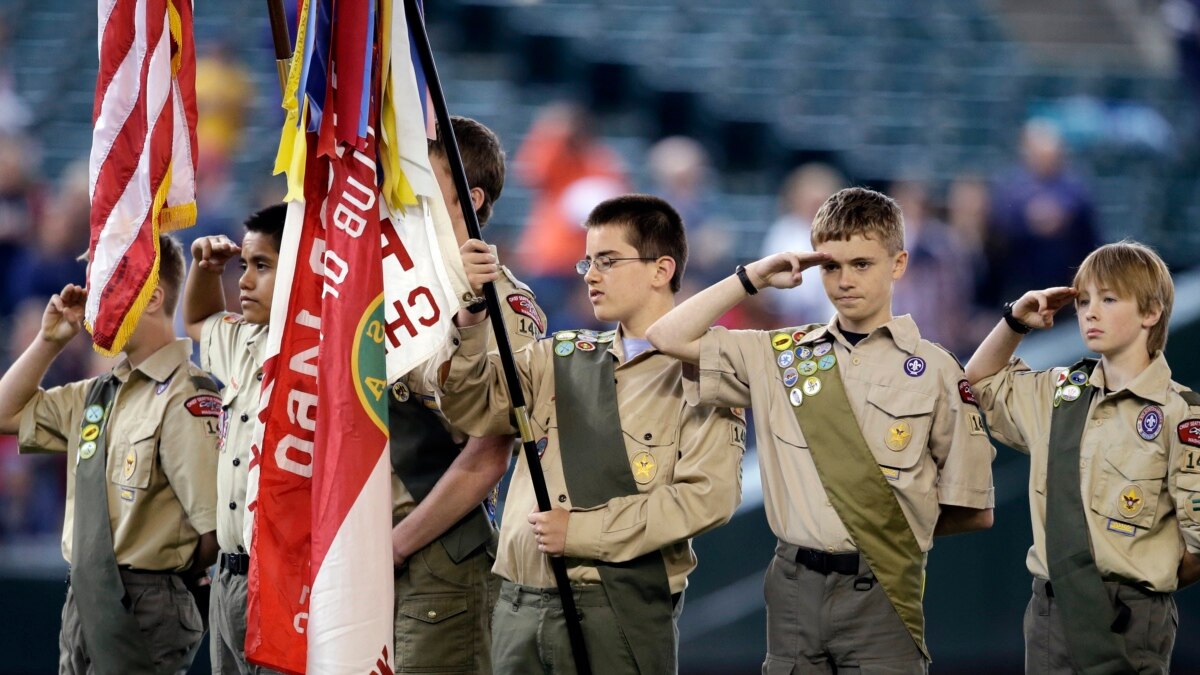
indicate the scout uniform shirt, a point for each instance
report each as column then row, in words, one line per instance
column 162, row 435
column 910, row 401
column 1137, row 465
column 234, row 350
column 685, row 460
column 525, row 323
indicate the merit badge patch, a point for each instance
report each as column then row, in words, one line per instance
column 790, row 376
column 914, row 366
column 803, row 352
column 786, row 359
column 130, row 464
column 781, row 342
column 1078, row 378
column 1061, row 378
column 898, row 436
column 400, row 392
column 606, row 337
column 90, row 432
column 890, row 472
column 541, row 446
column 796, row 397
column 1121, row 528
column 566, row 335
column 1189, row 433
column 1150, row 422
column 965, row 393
column 521, row 304
column 826, row 362
column 204, row 405
column 808, row 367
column 644, row 467
column 822, row 349
column 585, row 345
column 797, row 335
column 812, row 386
column 1131, row 500
column 86, row 450
column 94, row 413
column 564, row 348
column 1058, row 397
column 162, row 387
column 1071, row 392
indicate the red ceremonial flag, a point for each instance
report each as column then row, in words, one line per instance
column 143, row 162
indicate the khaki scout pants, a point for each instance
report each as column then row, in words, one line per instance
column 165, row 613
column 825, row 623
column 529, row 632
column 227, row 626
column 444, row 612
column 1149, row 633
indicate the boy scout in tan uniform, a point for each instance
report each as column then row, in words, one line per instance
column 443, row 482
column 1122, row 440
column 676, row 468
column 139, row 519
column 233, row 348
column 869, row 443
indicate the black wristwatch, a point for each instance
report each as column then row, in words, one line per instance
column 478, row 306
column 1015, row 324
column 744, row 277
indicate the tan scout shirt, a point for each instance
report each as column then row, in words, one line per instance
column 946, row 459
column 693, row 485
column 1135, row 471
column 525, row 323
column 234, row 351
column 162, row 436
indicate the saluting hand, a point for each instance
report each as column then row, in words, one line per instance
column 550, row 530
column 63, row 318
column 1036, row 309
column 783, row 270
column 211, row 253
column 479, row 263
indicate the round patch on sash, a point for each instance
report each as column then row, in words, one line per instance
column 828, row 361
column 797, row 335
column 786, row 359
column 90, row 432
column 130, row 464
column 1061, row 378
column 1078, row 377
column 1071, row 392
column 1131, row 501
column 812, row 386
column 898, row 436
column 94, row 413
column 585, row 345
column 565, row 335
column 808, row 367
column 606, row 337
column 803, row 352
column 541, row 446
column 400, row 392
column 796, row 397
column 1150, row 422
column 564, row 348
column 790, row 376
column 781, row 342
column 822, row 349
column 86, row 450
column 644, row 467
column 1058, row 397
column 914, row 366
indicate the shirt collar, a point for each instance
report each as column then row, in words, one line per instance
column 902, row 329
column 161, row 365
column 1152, row 384
column 256, row 344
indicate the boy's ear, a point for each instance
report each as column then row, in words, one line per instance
column 900, row 265
column 1152, row 317
column 664, row 270
column 477, row 198
column 156, row 300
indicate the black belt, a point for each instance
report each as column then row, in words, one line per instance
column 826, row 563
column 236, row 563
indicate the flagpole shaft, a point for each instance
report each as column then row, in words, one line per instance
column 416, row 23
column 281, row 38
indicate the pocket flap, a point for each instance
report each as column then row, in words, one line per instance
column 434, row 609
column 649, row 431
column 1136, row 465
column 900, row 402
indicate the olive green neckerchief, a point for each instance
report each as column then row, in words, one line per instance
column 596, row 469
column 1087, row 610
column 114, row 642
column 850, row 474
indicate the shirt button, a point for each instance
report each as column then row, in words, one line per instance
column 856, row 361
column 431, row 614
column 245, row 417
column 232, row 506
column 455, row 341
column 1099, row 422
column 258, row 377
column 236, row 461
column 828, row 503
column 562, row 498
column 829, row 549
column 647, row 437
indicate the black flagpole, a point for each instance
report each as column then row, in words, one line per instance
column 281, row 40
column 416, row 23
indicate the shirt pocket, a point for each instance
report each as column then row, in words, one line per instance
column 652, row 449
column 896, row 424
column 132, row 456
column 1128, row 484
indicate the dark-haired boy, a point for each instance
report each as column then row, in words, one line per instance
column 633, row 472
column 139, row 520
column 233, row 348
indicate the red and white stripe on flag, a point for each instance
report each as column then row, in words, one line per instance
column 143, row 161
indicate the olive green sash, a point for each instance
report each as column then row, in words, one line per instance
column 850, row 474
column 596, row 469
column 1087, row 610
column 114, row 641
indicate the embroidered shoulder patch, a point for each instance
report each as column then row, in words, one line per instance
column 1189, row 433
column 204, row 405
column 965, row 393
column 521, row 304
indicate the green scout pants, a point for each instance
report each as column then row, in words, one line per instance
column 444, row 612
column 165, row 613
column 825, row 623
column 227, row 626
column 529, row 633
column 1149, row 624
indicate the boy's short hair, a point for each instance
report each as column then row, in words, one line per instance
column 652, row 226
column 862, row 212
column 170, row 271
column 1134, row 270
column 483, row 159
column 269, row 221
